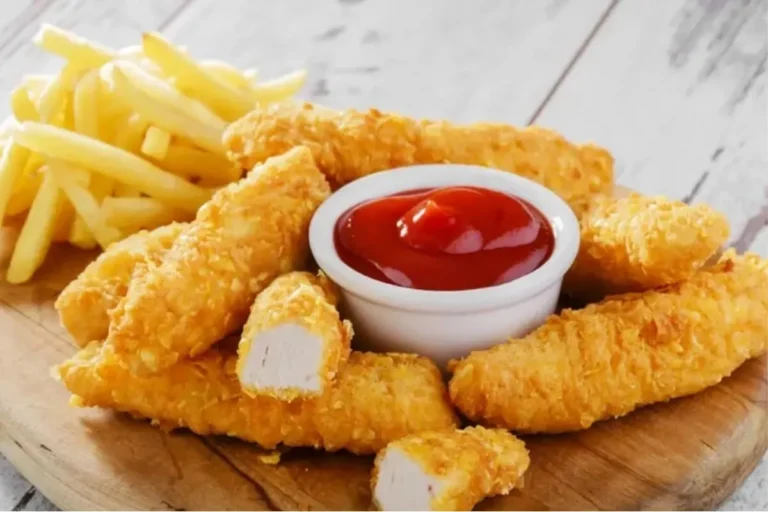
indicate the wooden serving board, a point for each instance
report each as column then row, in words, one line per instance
column 690, row 453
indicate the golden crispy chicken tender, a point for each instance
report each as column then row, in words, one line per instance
column 638, row 243
column 375, row 399
column 447, row 470
column 349, row 144
column 85, row 303
column 607, row 359
column 294, row 342
column 250, row 232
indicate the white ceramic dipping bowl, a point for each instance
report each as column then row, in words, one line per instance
column 443, row 325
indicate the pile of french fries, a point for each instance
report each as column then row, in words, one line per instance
column 118, row 141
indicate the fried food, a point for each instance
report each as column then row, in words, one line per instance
column 375, row 399
column 294, row 342
column 248, row 234
column 38, row 231
column 132, row 118
column 85, row 303
column 351, row 144
column 607, row 359
column 447, row 470
column 115, row 163
column 639, row 243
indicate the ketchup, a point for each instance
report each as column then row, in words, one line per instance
column 453, row 238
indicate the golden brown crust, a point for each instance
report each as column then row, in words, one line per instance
column 309, row 301
column 472, row 464
column 85, row 303
column 249, row 233
column 639, row 243
column 350, row 144
column 375, row 399
column 607, row 359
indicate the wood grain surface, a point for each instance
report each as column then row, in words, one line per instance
column 675, row 89
column 687, row 454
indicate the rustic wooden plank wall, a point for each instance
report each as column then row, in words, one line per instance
column 675, row 89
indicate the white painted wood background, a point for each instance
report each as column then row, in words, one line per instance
column 676, row 89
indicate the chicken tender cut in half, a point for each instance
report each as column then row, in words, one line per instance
column 375, row 399
column 85, row 303
column 447, row 470
column 639, row 243
column 349, row 144
column 294, row 342
column 607, row 359
column 249, row 233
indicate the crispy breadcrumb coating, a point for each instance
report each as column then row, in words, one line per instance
column 85, row 303
column 607, row 359
column 293, row 322
column 375, row 399
column 639, row 243
column 250, row 232
column 466, row 466
column 349, row 144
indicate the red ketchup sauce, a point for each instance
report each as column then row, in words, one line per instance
column 453, row 238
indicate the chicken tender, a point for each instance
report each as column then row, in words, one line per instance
column 447, row 470
column 639, row 243
column 294, row 342
column 349, row 144
column 85, row 303
column 375, row 399
column 607, row 359
column 249, row 233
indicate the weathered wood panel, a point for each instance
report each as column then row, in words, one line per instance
column 486, row 59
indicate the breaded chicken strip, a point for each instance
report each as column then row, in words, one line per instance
column 249, row 233
column 294, row 342
column 349, row 144
column 447, row 470
column 85, row 303
column 607, row 359
column 639, row 243
column 375, row 399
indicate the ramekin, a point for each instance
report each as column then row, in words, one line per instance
column 444, row 325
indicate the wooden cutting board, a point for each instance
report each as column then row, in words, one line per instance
column 687, row 454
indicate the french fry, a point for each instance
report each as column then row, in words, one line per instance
column 37, row 233
column 132, row 214
column 222, row 98
column 86, row 120
column 24, row 195
column 80, row 236
column 23, row 108
column 156, row 142
column 85, row 203
column 165, row 117
column 193, row 163
column 12, row 164
column 279, row 89
column 54, row 97
column 162, row 91
column 86, row 105
column 110, row 161
column 77, row 50
column 130, row 135
column 36, row 83
column 65, row 218
column 123, row 190
column 227, row 73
